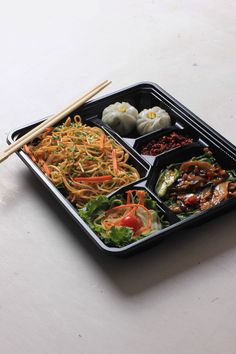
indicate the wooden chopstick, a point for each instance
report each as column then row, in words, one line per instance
column 32, row 134
column 55, row 118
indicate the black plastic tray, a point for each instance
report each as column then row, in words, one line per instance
column 146, row 95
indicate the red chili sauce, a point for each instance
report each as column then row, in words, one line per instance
column 165, row 143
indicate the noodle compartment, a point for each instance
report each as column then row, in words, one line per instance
column 82, row 161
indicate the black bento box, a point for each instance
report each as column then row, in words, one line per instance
column 146, row 95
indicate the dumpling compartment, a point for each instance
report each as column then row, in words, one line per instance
column 142, row 97
column 126, row 121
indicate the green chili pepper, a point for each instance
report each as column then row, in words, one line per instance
column 166, row 180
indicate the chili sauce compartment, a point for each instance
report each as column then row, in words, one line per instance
column 143, row 96
column 194, row 181
column 157, row 143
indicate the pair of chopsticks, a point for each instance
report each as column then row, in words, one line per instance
column 32, row 134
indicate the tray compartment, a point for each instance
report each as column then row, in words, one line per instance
column 184, row 154
column 133, row 159
column 155, row 236
column 141, row 98
column 154, row 137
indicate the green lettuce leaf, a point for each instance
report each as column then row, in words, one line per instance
column 94, row 207
column 119, row 236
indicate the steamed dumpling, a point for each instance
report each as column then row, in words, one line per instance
column 121, row 117
column 152, row 119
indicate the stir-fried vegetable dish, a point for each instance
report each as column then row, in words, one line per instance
column 195, row 185
column 121, row 219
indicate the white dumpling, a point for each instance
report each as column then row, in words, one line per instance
column 152, row 119
column 121, row 117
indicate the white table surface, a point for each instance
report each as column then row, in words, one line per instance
column 59, row 295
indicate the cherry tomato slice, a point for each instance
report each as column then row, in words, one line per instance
column 131, row 221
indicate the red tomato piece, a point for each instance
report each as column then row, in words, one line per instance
column 131, row 221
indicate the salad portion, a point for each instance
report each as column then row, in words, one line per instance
column 195, row 185
column 123, row 219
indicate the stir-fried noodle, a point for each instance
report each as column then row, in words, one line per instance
column 81, row 159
